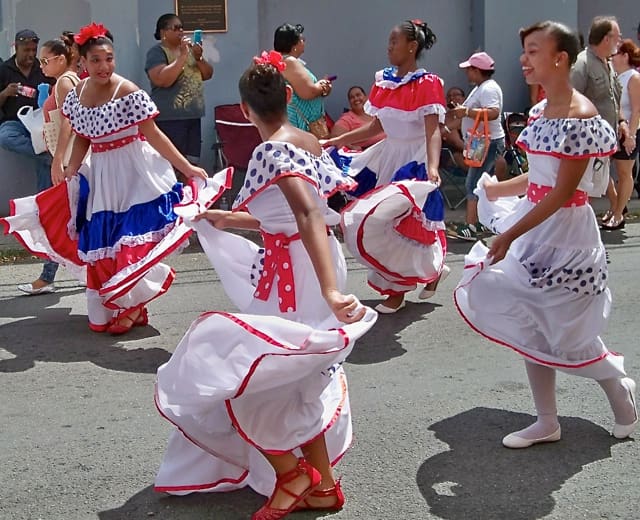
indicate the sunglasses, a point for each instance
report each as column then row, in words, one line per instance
column 45, row 61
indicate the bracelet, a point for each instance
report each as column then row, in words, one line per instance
column 446, row 129
column 466, row 111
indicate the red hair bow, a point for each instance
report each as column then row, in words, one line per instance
column 93, row 30
column 417, row 21
column 270, row 58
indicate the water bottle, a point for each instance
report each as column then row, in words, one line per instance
column 43, row 93
column 224, row 204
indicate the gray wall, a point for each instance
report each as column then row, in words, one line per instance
column 349, row 37
column 500, row 39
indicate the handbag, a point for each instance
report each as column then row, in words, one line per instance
column 318, row 127
column 33, row 121
column 52, row 127
column 478, row 141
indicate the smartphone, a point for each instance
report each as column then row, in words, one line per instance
column 332, row 78
column 197, row 37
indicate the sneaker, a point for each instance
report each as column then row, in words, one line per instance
column 481, row 230
column 466, row 232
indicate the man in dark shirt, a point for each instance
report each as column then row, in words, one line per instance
column 19, row 71
column 22, row 70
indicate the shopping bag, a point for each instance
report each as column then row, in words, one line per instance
column 33, row 120
column 478, row 141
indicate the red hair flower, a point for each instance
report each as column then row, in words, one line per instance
column 93, row 30
column 270, row 58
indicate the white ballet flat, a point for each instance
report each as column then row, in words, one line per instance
column 425, row 294
column 622, row 431
column 513, row 440
column 383, row 309
column 29, row 289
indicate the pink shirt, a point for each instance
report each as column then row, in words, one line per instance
column 351, row 121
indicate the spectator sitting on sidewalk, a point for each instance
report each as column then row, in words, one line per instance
column 22, row 70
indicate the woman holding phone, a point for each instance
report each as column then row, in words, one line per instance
column 177, row 69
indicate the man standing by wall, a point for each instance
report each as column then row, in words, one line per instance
column 593, row 76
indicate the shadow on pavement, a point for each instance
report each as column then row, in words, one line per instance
column 52, row 335
column 382, row 342
column 231, row 505
column 478, row 478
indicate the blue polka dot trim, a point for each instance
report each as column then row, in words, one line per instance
column 273, row 159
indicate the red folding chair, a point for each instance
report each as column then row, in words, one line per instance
column 237, row 137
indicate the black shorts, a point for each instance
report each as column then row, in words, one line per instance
column 622, row 153
column 185, row 134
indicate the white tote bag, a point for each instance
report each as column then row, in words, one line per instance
column 33, row 120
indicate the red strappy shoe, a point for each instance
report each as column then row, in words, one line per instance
column 117, row 327
column 302, row 468
column 335, row 491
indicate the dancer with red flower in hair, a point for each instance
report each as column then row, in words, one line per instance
column 261, row 398
column 396, row 227
column 114, row 214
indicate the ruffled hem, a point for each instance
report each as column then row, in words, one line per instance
column 238, row 389
column 591, row 357
column 373, row 232
column 401, row 114
column 386, row 77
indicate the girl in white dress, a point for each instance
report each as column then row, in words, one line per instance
column 541, row 288
column 261, row 398
column 396, row 226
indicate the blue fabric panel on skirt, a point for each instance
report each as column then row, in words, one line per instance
column 106, row 228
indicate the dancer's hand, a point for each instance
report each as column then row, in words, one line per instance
column 346, row 308
column 195, row 171
column 57, row 172
column 434, row 176
column 217, row 217
column 334, row 141
column 499, row 247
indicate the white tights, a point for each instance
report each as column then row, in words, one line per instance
column 542, row 380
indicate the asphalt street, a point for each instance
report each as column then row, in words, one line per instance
column 80, row 437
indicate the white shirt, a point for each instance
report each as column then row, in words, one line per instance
column 486, row 95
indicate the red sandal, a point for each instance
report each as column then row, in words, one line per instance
column 117, row 327
column 302, row 468
column 335, row 491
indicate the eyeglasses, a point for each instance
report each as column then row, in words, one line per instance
column 176, row 27
column 45, row 61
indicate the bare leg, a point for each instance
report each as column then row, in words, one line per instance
column 394, row 301
column 624, row 188
column 542, row 381
column 472, row 212
column 283, row 464
column 316, row 454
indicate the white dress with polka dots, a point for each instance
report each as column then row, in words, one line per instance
column 548, row 298
column 270, row 379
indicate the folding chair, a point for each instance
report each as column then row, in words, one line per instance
column 236, row 137
column 452, row 178
column 513, row 123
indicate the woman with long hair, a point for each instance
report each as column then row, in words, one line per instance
column 625, row 62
